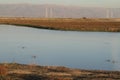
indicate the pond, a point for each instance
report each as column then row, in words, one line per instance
column 84, row 50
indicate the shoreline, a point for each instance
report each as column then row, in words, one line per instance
column 66, row 24
column 13, row 71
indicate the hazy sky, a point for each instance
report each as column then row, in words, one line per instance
column 98, row 3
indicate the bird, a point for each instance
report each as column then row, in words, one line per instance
column 23, row 47
column 112, row 61
column 108, row 60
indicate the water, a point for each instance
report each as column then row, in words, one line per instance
column 84, row 50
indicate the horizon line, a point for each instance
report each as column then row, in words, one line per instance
column 66, row 5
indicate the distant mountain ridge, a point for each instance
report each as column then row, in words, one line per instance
column 56, row 11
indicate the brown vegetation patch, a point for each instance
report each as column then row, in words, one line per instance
column 16, row 71
column 109, row 25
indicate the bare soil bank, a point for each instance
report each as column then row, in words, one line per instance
column 15, row 71
column 83, row 24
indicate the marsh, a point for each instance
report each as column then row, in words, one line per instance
column 74, row 49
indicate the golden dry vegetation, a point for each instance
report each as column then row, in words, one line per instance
column 83, row 24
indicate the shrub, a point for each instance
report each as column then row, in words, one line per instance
column 3, row 72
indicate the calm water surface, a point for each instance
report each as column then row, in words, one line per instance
column 85, row 50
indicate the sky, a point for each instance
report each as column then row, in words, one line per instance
column 85, row 3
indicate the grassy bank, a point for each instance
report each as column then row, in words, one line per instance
column 15, row 71
column 83, row 24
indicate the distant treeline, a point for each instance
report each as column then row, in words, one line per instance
column 82, row 24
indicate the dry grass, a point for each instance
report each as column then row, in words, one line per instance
column 23, row 72
column 3, row 70
column 111, row 25
column 4, row 73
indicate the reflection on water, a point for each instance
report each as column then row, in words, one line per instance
column 85, row 50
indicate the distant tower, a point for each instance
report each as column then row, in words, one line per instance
column 51, row 12
column 46, row 12
column 109, row 13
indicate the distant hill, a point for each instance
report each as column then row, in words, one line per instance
column 55, row 11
